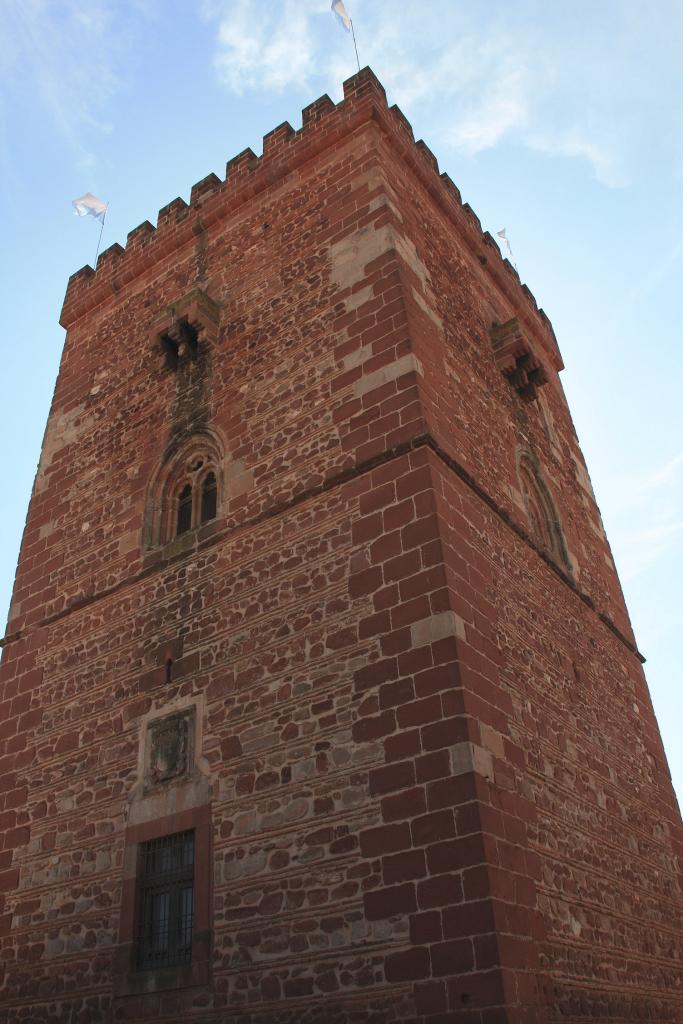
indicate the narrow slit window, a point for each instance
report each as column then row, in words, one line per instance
column 166, row 901
column 209, row 498
column 185, row 510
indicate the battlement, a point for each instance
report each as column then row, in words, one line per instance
column 324, row 123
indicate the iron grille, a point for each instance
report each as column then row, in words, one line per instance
column 166, row 901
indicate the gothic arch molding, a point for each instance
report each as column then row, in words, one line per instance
column 542, row 515
column 187, row 489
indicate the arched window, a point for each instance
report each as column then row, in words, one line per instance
column 186, row 493
column 540, row 508
column 184, row 519
column 209, row 497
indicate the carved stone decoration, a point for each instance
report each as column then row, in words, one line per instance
column 170, row 753
column 516, row 358
column 188, row 324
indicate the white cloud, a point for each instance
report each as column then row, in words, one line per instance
column 502, row 110
column 642, row 549
column 64, row 55
column 589, row 88
column 264, row 49
column 666, row 473
column 656, row 502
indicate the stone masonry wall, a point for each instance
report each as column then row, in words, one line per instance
column 433, row 780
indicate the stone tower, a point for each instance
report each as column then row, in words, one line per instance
column 320, row 699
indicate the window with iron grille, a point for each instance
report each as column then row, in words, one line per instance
column 166, row 901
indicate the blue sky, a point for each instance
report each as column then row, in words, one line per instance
column 561, row 122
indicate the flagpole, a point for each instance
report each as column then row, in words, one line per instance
column 353, row 33
column 100, row 238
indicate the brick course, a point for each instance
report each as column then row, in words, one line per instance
column 436, row 786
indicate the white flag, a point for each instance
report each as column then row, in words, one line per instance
column 89, row 206
column 339, row 9
column 501, row 234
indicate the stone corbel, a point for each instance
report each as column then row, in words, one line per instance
column 518, row 359
column 185, row 325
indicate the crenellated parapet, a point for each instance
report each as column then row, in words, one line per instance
column 324, row 124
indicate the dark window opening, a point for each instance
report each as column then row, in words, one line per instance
column 185, row 510
column 166, row 901
column 170, row 349
column 209, row 498
column 188, row 339
column 182, row 342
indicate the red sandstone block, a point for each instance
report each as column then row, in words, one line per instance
column 30, row 720
column 408, row 965
column 430, row 998
column 385, row 839
column 406, row 804
column 416, row 660
column 346, row 637
column 446, row 733
column 374, row 625
column 400, row 775
column 454, row 957
column 345, row 380
column 19, row 704
column 398, row 692
column 10, row 879
column 402, row 745
column 446, row 650
column 375, row 673
column 413, row 482
column 453, row 702
column 401, row 567
column 468, row 818
column 478, row 991
column 395, row 899
column 408, row 612
column 231, row 746
column 450, row 792
column 8, row 727
column 8, row 819
column 404, row 867
column 378, row 498
column 347, row 409
column 397, row 516
column 441, row 891
column 419, row 712
column 385, row 597
column 517, row 952
column 66, row 742
column 414, row 535
column 425, row 927
column 366, row 582
column 476, row 880
column 486, row 953
column 456, row 855
column 367, row 528
column 372, row 728
column 432, row 827
column 16, row 837
column 435, row 765
column 396, row 642
column 434, row 680
column 468, row 919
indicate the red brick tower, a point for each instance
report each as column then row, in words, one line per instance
column 320, row 699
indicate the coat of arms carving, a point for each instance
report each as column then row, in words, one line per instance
column 169, row 748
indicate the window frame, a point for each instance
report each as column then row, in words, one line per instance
column 130, row 978
column 193, row 482
column 544, row 522
column 171, row 883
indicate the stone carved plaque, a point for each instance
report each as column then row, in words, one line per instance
column 170, row 751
